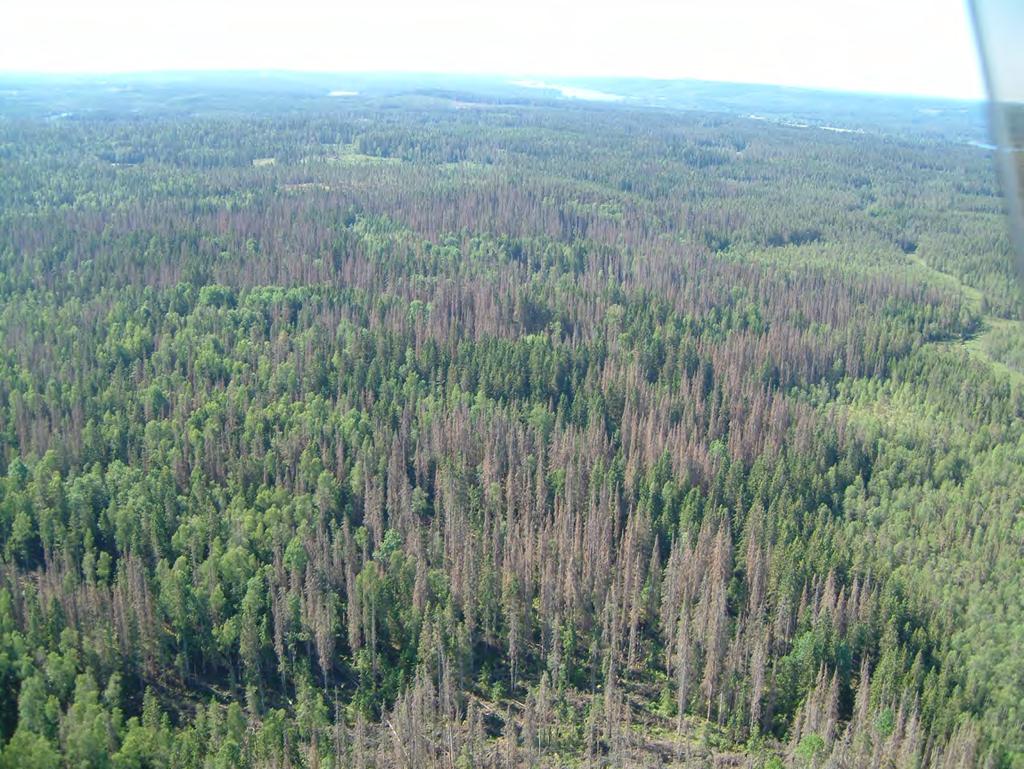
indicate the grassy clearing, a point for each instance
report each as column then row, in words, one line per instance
column 1001, row 344
column 1000, row 341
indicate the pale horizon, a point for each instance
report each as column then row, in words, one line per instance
column 917, row 48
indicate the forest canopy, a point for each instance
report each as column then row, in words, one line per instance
column 440, row 430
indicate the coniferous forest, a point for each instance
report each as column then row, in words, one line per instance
column 445, row 429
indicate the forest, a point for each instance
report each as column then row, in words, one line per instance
column 447, row 430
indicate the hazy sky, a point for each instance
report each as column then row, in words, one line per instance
column 894, row 46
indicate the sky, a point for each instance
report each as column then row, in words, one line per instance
column 923, row 47
column 1002, row 27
